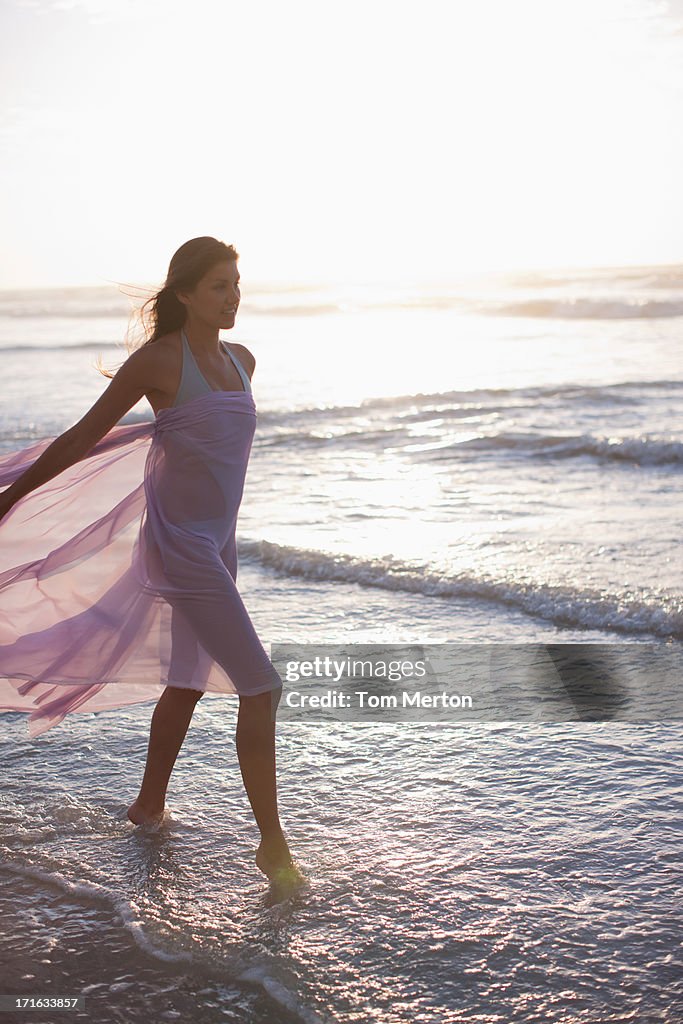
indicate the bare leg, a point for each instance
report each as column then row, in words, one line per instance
column 170, row 723
column 255, row 740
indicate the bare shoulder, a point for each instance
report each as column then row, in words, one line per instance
column 145, row 360
column 153, row 365
column 161, row 363
column 137, row 376
column 246, row 358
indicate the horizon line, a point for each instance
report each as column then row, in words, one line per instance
column 271, row 283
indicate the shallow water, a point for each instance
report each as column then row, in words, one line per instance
column 527, row 872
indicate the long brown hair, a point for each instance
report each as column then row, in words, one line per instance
column 163, row 312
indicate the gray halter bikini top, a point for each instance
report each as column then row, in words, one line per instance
column 193, row 382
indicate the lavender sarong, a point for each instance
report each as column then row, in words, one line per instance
column 124, row 567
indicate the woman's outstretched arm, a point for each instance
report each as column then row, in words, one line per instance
column 131, row 382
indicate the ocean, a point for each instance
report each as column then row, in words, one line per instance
column 490, row 460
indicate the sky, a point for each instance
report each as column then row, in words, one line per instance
column 339, row 140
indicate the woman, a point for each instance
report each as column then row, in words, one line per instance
column 174, row 611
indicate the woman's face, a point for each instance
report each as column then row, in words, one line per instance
column 215, row 299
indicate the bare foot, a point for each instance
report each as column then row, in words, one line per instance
column 275, row 861
column 143, row 815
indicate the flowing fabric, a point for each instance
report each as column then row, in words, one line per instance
column 124, row 566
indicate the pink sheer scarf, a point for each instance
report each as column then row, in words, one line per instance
column 117, row 577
